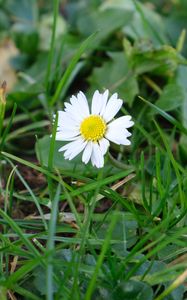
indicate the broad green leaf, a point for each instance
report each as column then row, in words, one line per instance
column 146, row 23
column 25, row 10
column 4, row 21
column 38, row 281
column 115, row 75
column 124, row 233
column 161, row 60
column 133, row 290
column 75, row 165
column 181, row 81
column 105, row 22
column 171, row 98
column 175, row 22
column 24, row 31
column 26, row 38
column 177, row 294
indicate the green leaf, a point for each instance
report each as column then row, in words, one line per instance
column 181, row 80
column 177, row 294
column 39, row 279
column 171, row 98
column 146, row 22
column 183, row 148
column 104, row 22
column 4, row 21
column 25, row 10
column 175, row 22
column 75, row 165
column 42, row 151
column 26, row 38
column 116, row 76
column 124, row 233
column 24, row 30
column 133, row 290
column 161, row 60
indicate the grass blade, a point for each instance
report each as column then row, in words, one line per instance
column 50, row 245
column 71, row 67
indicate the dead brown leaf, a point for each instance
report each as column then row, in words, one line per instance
column 7, row 51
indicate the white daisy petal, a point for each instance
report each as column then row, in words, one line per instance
column 67, row 146
column 84, row 103
column 127, row 133
column 60, row 118
column 87, row 152
column 64, row 117
column 96, row 103
column 71, row 131
column 69, row 127
column 91, row 133
column 124, row 122
column 61, row 136
column 104, row 102
column 77, row 108
column 117, row 132
column 104, row 145
column 97, row 156
column 113, row 106
column 80, row 104
column 67, row 123
column 83, row 98
column 78, row 150
column 73, row 114
column 126, row 142
column 99, row 102
column 111, row 136
column 74, row 148
column 119, row 138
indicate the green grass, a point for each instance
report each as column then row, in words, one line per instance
column 70, row 231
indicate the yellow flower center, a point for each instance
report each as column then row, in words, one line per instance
column 93, row 128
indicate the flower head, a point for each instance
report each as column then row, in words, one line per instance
column 91, row 130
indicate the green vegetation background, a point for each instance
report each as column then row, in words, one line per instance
column 70, row 231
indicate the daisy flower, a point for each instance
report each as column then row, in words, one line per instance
column 92, row 130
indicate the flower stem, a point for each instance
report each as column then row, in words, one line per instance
column 117, row 164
